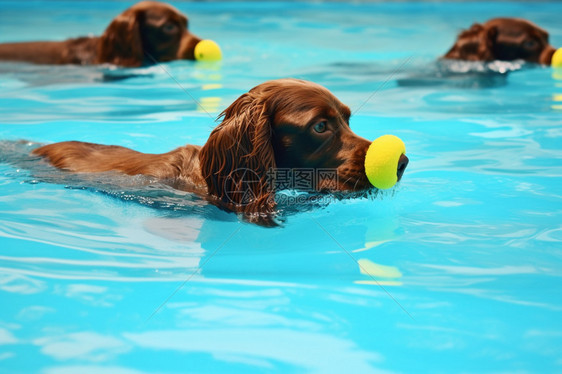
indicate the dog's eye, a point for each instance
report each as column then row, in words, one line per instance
column 170, row 28
column 530, row 44
column 320, row 127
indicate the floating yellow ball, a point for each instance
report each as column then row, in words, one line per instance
column 556, row 61
column 207, row 50
column 381, row 161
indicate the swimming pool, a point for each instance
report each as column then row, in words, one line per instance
column 464, row 255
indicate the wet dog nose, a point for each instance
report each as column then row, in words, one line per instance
column 402, row 164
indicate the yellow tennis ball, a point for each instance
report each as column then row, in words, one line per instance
column 556, row 61
column 207, row 50
column 381, row 161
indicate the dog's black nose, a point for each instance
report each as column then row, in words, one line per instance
column 402, row 164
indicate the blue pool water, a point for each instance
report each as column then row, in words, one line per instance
column 464, row 256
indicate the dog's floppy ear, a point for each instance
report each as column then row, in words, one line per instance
column 121, row 42
column 238, row 158
column 486, row 44
column 545, row 56
column 474, row 44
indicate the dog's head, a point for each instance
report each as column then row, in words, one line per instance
column 503, row 39
column 284, row 133
column 147, row 32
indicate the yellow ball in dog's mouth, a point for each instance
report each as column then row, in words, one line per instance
column 207, row 50
column 556, row 61
column 382, row 161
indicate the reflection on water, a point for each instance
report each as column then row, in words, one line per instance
column 102, row 93
column 463, row 74
column 557, row 95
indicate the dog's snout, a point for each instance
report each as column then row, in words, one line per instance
column 402, row 164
